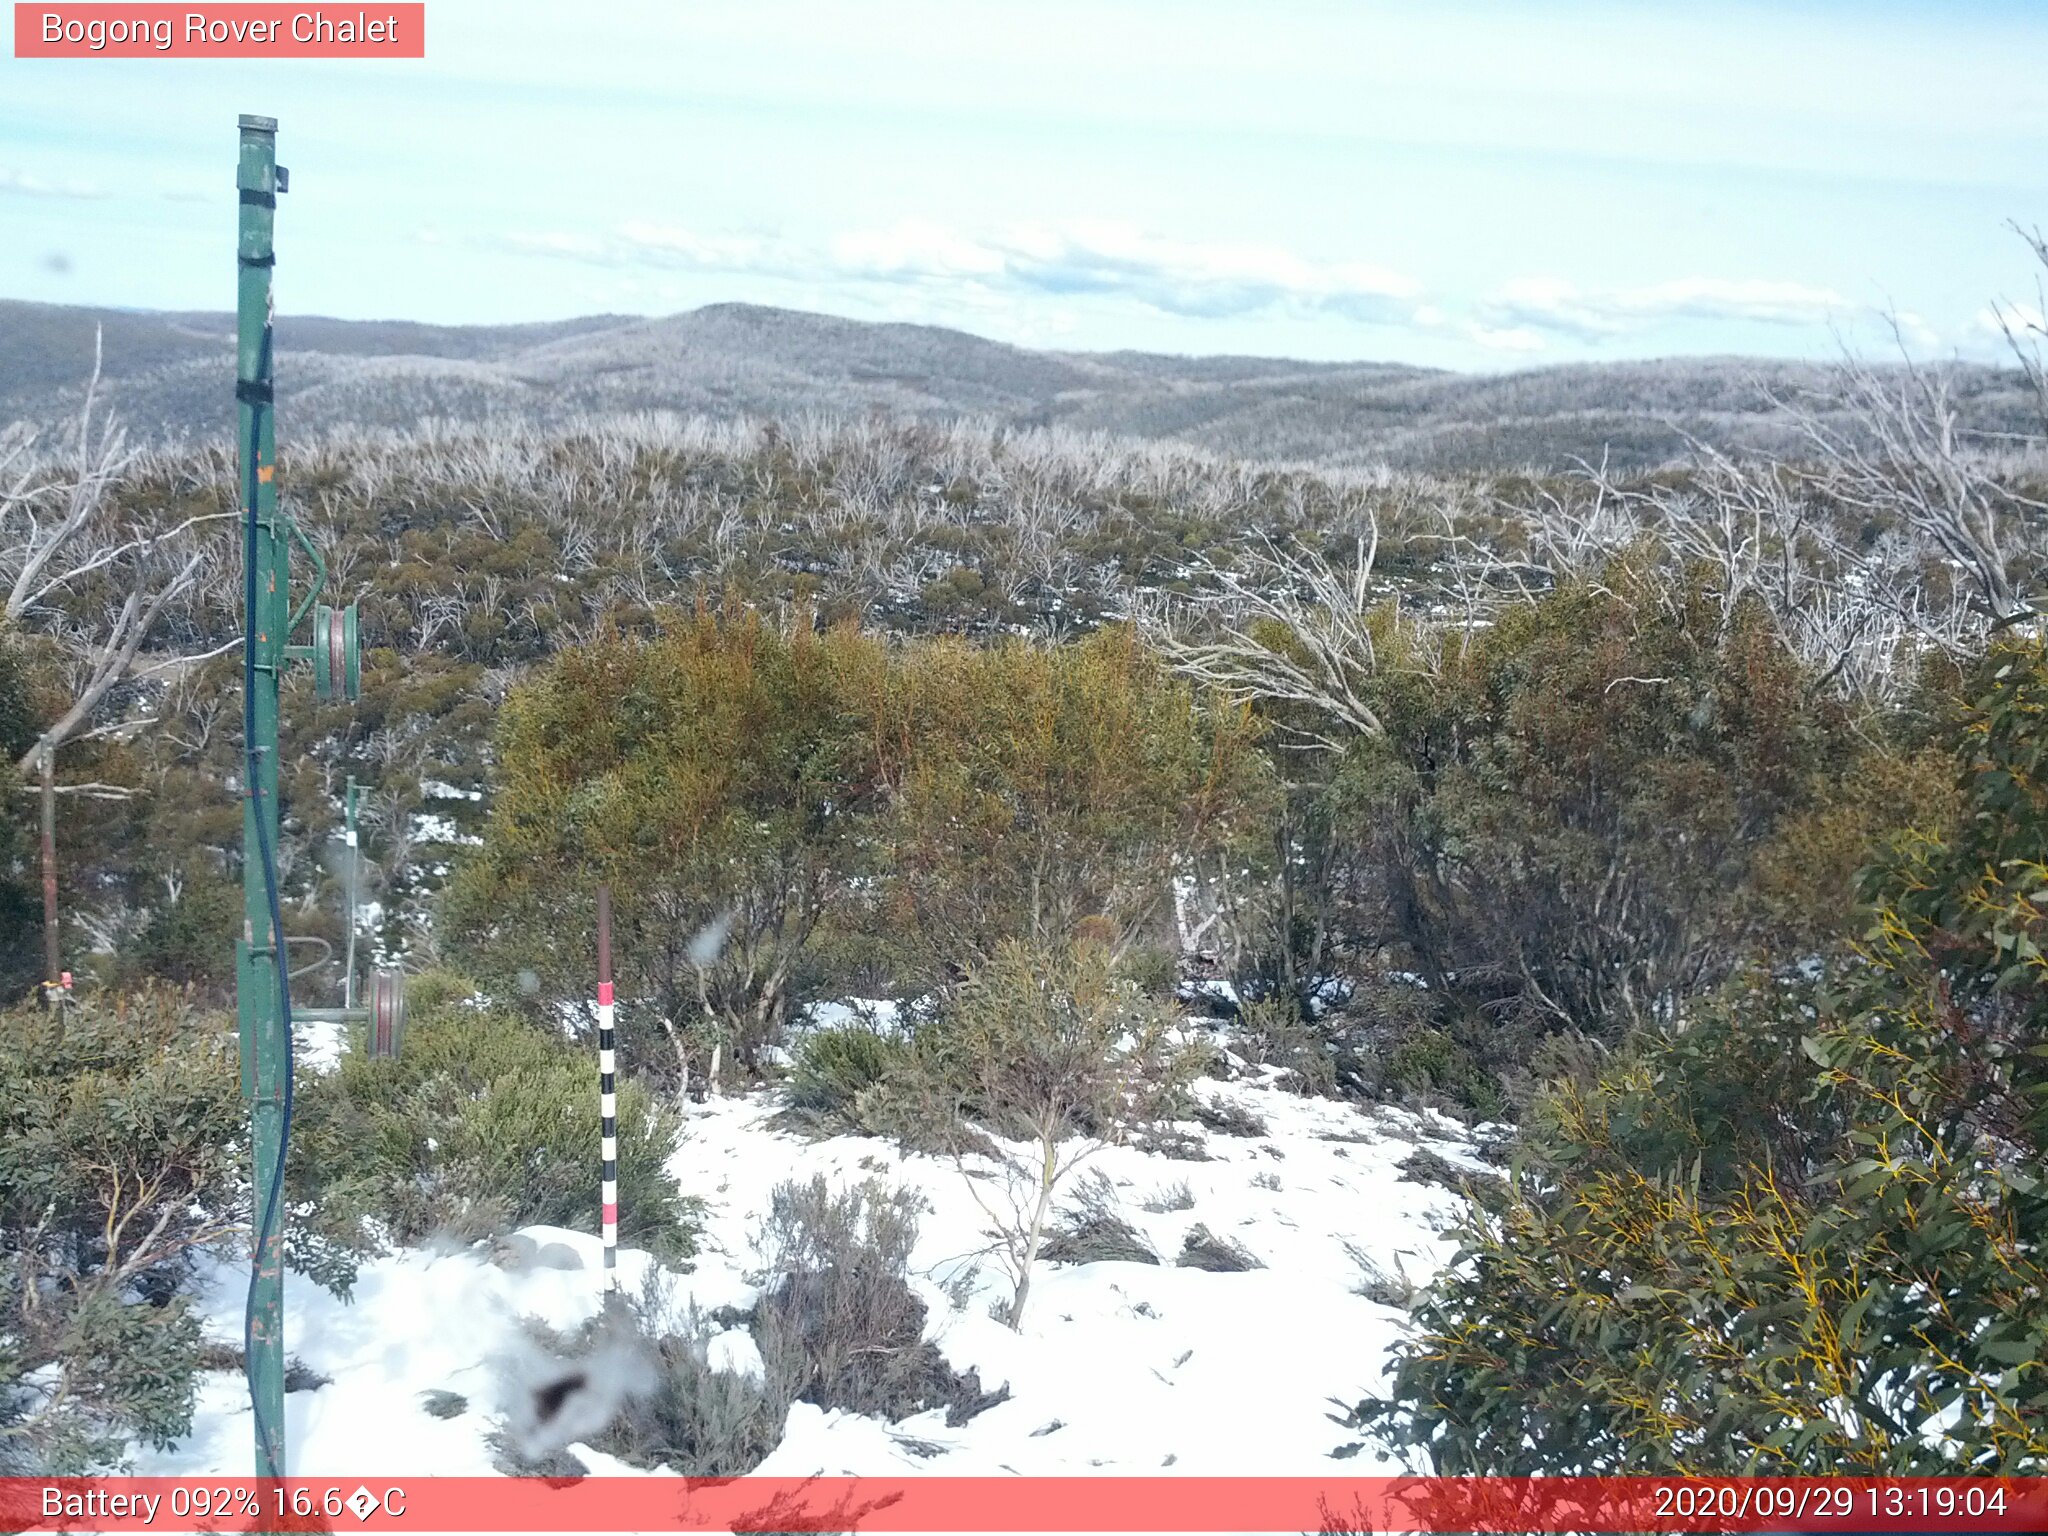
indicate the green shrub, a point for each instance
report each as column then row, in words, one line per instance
column 1432, row 1067
column 1801, row 1230
column 834, row 1066
column 1571, row 822
column 486, row 1121
column 181, row 942
column 122, row 1146
column 1272, row 1033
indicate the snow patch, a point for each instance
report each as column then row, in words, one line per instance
column 1140, row 1367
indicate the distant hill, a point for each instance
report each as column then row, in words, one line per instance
column 168, row 376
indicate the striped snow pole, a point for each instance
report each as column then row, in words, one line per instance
column 607, row 1091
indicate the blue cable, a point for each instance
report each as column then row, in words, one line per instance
column 268, row 1223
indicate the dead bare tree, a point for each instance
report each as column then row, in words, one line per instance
column 1908, row 462
column 1282, row 624
column 95, row 586
column 2026, row 329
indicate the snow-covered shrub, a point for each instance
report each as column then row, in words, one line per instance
column 1227, row 1118
column 1174, row 1197
column 1203, row 1249
column 1092, row 1230
column 697, row 1417
column 1271, row 1032
column 838, row 1324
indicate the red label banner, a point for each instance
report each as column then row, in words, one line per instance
column 378, row 31
column 1848, row 1506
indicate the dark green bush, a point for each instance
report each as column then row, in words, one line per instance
column 1804, row 1225
column 122, row 1146
column 832, row 1067
column 1571, row 822
column 487, row 1121
column 1432, row 1067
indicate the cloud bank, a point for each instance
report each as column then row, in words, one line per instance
column 24, row 185
column 1193, row 279
column 1205, row 280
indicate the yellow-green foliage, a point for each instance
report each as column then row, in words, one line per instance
column 714, row 776
column 837, row 807
column 1048, row 1044
column 1804, row 1230
column 1038, row 788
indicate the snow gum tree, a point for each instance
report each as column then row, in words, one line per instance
column 1058, row 1056
column 1800, row 1228
column 715, row 777
column 783, row 810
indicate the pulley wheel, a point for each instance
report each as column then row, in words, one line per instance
column 351, row 655
column 330, row 652
column 387, row 1013
column 337, row 653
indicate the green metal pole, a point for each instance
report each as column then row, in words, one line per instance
column 266, row 1047
column 348, row 975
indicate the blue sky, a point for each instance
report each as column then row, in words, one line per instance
column 1476, row 186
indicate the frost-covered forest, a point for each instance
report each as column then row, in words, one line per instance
column 1499, row 970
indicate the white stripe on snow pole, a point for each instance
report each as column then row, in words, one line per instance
column 607, row 1096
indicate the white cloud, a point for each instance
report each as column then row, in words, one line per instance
column 2023, row 319
column 715, row 253
column 553, row 243
column 1192, row 278
column 1185, row 278
column 34, row 186
column 931, row 270
column 1915, row 332
column 1514, row 338
column 1555, row 305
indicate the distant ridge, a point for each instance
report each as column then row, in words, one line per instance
column 164, row 374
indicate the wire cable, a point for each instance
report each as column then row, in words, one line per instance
column 251, row 765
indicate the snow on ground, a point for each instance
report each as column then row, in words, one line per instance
column 318, row 1043
column 1120, row 1367
column 433, row 827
